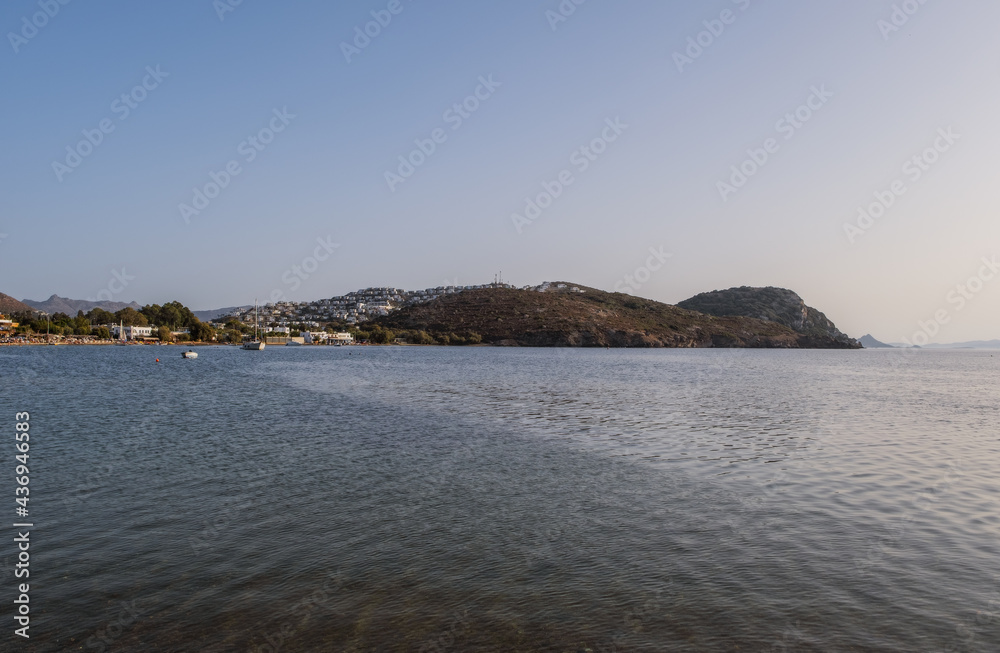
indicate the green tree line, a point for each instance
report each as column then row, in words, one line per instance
column 172, row 316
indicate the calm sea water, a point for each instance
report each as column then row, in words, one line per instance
column 447, row 499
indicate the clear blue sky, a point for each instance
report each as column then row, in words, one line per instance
column 552, row 85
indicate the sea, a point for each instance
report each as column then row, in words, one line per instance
column 450, row 499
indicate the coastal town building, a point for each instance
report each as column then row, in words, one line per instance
column 353, row 308
column 131, row 332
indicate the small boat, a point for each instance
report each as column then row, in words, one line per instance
column 256, row 344
column 190, row 354
column 293, row 343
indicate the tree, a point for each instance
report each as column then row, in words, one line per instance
column 131, row 317
column 422, row 338
column 232, row 335
column 163, row 333
column 152, row 313
column 381, row 336
column 102, row 333
column 201, row 331
column 98, row 315
column 170, row 316
column 232, row 324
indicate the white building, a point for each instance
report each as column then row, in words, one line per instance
column 342, row 339
column 132, row 332
column 315, row 336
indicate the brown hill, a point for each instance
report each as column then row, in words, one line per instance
column 771, row 304
column 592, row 318
column 10, row 305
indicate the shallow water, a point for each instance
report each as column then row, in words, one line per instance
column 451, row 499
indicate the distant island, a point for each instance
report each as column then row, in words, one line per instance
column 868, row 341
column 552, row 314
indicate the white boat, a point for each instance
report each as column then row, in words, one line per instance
column 190, row 354
column 293, row 343
column 256, row 344
column 121, row 333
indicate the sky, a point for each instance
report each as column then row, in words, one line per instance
column 217, row 152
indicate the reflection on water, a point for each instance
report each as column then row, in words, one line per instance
column 444, row 499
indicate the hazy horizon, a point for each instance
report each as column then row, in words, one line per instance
column 635, row 130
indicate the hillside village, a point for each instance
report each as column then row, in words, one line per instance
column 359, row 306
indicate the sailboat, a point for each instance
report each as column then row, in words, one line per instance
column 121, row 333
column 255, row 344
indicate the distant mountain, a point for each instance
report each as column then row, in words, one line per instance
column 974, row 344
column 869, row 342
column 208, row 316
column 772, row 305
column 10, row 305
column 576, row 316
column 57, row 304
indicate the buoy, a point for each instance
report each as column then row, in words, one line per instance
column 157, row 360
